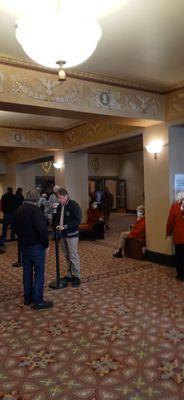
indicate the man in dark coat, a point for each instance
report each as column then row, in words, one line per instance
column 31, row 228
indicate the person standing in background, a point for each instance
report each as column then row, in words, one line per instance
column 107, row 206
column 19, row 198
column 8, row 208
column 175, row 227
column 53, row 204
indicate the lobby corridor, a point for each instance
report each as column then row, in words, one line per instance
column 119, row 336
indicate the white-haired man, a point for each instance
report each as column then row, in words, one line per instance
column 31, row 228
column 138, row 231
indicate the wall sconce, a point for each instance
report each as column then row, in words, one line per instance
column 155, row 147
column 58, row 164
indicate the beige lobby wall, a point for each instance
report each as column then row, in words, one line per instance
column 108, row 164
column 176, row 159
column 26, row 173
column 3, row 171
column 131, row 168
column 59, row 156
column 156, row 183
column 3, row 184
column 8, row 179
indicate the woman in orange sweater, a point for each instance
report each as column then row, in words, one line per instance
column 138, row 231
column 175, row 227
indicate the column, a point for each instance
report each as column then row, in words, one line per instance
column 73, row 176
column 157, row 190
column 59, row 159
column 76, row 179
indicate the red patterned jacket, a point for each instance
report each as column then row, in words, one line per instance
column 175, row 224
column 139, row 229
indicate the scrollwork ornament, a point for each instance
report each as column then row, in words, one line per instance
column 142, row 104
column 45, row 90
column 1, row 81
column 47, row 166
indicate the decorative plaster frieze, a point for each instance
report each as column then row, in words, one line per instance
column 175, row 106
column 91, row 133
column 177, row 102
column 44, row 89
column 144, row 104
column 1, row 81
column 30, row 138
column 42, row 139
column 33, row 88
column 88, row 76
column 19, row 155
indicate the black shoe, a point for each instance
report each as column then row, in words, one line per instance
column 118, row 254
column 28, row 302
column 76, row 282
column 17, row 264
column 180, row 278
column 68, row 279
column 43, row 305
column 2, row 251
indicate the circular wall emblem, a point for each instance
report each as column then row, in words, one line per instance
column 105, row 98
column 18, row 137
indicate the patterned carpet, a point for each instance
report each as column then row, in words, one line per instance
column 119, row 336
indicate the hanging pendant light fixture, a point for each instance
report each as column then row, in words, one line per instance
column 70, row 33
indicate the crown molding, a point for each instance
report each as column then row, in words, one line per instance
column 91, row 77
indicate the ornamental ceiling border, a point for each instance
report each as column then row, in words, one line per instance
column 85, row 97
column 91, row 133
column 175, row 105
column 30, row 138
column 126, row 83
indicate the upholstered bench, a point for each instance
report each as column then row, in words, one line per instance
column 93, row 228
column 134, row 248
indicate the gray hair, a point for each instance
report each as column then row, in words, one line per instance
column 141, row 208
column 33, row 195
column 62, row 192
column 56, row 188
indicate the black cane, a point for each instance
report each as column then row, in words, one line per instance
column 18, row 263
column 59, row 283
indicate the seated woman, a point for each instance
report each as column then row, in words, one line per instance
column 94, row 215
column 138, row 231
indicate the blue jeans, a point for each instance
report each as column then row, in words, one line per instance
column 33, row 261
column 8, row 219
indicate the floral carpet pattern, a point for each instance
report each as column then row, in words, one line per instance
column 119, row 336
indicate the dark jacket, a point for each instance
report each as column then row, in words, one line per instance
column 72, row 218
column 19, row 199
column 8, row 203
column 30, row 226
